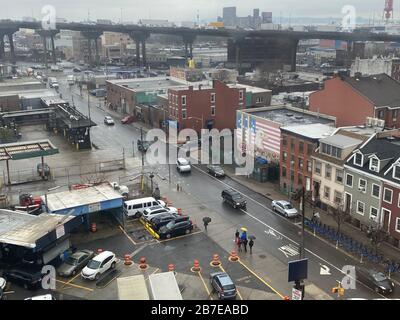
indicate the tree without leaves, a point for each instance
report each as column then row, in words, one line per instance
column 377, row 235
column 339, row 214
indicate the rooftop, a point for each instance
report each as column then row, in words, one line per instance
column 290, row 116
column 312, row 131
column 81, row 197
column 248, row 88
column 363, row 130
column 147, row 84
column 380, row 89
column 26, row 150
column 341, row 141
column 30, row 94
column 22, row 229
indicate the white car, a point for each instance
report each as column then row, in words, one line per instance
column 150, row 213
column 42, row 297
column 183, row 165
column 108, row 121
column 98, row 265
column 284, row 208
column 2, row 283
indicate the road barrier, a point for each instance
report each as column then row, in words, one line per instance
column 196, row 266
column 215, row 261
column 142, row 263
column 148, row 228
column 233, row 257
column 128, row 260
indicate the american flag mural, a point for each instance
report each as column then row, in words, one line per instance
column 264, row 134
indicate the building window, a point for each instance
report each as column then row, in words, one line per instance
column 396, row 172
column 292, row 175
column 292, row 161
column 358, row 159
column 387, row 195
column 328, row 172
column 318, row 166
column 327, row 192
column 240, row 95
column 398, row 224
column 284, row 140
column 360, row 207
column 300, row 180
column 381, row 114
column 394, row 115
column 183, row 100
column 284, row 156
column 184, row 115
column 212, row 97
column 339, row 176
column 331, row 150
column 259, row 100
column 376, row 191
column 349, row 180
column 283, row 172
column 374, row 165
column 338, row 197
column 362, row 185
column 300, row 163
column 373, row 213
column 309, row 166
column 309, row 149
column 213, row 110
column 292, row 144
column 301, row 147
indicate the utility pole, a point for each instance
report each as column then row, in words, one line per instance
column 141, row 139
column 88, row 103
column 303, row 202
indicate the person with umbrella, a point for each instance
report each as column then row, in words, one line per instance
column 251, row 243
column 243, row 238
column 237, row 234
column 206, row 221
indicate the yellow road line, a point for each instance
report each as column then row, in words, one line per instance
column 128, row 236
column 261, row 279
column 204, row 284
column 75, row 285
column 179, row 237
column 72, row 279
column 237, row 290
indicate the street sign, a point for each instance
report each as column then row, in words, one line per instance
column 298, row 270
column 325, row 271
column 297, row 294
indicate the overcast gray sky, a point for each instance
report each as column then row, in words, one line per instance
column 182, row 10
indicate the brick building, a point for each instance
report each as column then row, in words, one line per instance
column 297, row 145
column 211, row 106
column 353, row 99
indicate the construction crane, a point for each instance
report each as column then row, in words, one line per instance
column 388, row 10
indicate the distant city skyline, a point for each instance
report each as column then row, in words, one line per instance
column 186, row 10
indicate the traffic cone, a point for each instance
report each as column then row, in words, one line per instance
column 128, row 260
column 142, row 263
column 215, row 261
column 196, row 266
column 233, row 257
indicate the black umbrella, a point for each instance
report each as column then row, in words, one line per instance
column 252, row 237
column 207, row 220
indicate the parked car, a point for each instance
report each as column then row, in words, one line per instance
column 183, row 165
column 76, row 69
column 216, row 171
column 43, row 170
column 375, row 280
column 156, row 211
column 128, row 119
column 162, row 220
column 3, row 283
column 173, row 229
column 98, row 93
column 284, row 208
column 75, row 263
column 98, row 265
column 42, row 297
column 123, row 190
column 222, row 283
column 234, row 198
column 27, row 277
column 108, row 121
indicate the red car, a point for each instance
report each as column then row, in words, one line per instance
column 128, row 119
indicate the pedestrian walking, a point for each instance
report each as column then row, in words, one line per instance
column 205, row 225
column 251, row 244
column 245, row 244
column 239, row 244
column 237, row 234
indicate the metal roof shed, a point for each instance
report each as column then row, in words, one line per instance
column 84, row 201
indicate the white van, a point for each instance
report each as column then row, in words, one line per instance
column 135, row 207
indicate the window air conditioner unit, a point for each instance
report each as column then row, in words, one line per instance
column 374, row 168
column 361, row 189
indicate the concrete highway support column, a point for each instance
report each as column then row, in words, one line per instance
column 137, row 42
column 12, row 50
column 2, row 51
column 295, row 43
column 144, row 52
column 44, row 39
column 90, row 60
column 140, row 40
column 97, row 54
column 90, row 36
column 188, row 40
column 53, row 50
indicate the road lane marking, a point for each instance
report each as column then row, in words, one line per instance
column 72, row 279
column 262, row 280
column 74, row 285
column 128, row 236
column 289, row 250
column 204, row 284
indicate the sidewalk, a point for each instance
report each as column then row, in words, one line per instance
column 271, row 191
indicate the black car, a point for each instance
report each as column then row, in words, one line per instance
column 173, row 229
column 234, row 198
column 160, row 221
column 377, row 281
column 29, row 278
column 216, row 171
column 222, row 283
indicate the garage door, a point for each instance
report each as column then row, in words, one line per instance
column 55, row 251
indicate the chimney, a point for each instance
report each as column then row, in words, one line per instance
column 200, row 86
column 190, row 88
